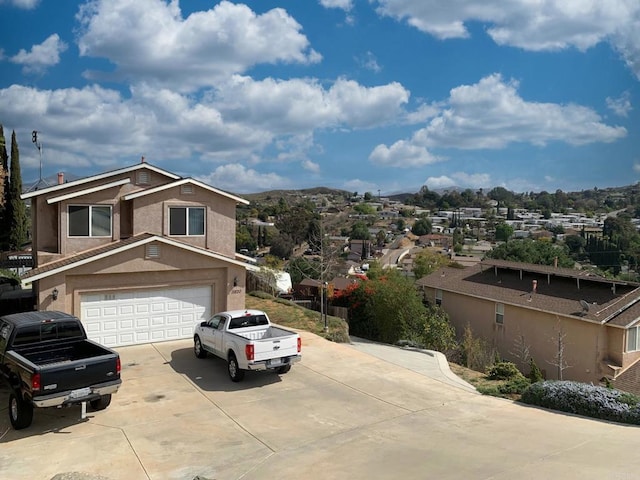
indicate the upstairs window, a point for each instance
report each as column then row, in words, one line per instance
column 89, row 220
column 186, row 221
column 500, row 313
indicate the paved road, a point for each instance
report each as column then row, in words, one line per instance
column 340, row 413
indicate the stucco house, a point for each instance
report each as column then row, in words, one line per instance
column 595, row 320
column 139, row 254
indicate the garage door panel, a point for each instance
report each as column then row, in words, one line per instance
column 127, row 318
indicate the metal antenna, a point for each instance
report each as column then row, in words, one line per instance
column 34, row 139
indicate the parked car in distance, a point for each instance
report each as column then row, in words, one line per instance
column 247, row 340
column 47, row 361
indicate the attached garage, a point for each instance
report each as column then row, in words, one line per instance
column 132, row 317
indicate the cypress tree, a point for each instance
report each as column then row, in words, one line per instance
column 15, row 209
column 4, row 191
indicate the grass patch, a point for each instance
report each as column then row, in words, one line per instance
column 288, row 314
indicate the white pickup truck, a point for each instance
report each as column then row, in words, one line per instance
column 247, row 340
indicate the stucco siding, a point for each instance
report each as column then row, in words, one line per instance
column 585, row 344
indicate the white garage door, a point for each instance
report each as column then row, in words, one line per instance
column 144, row 316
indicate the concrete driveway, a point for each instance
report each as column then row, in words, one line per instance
column 340, row 413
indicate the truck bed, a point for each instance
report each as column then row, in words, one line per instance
column 261, row 333
column 42, row 355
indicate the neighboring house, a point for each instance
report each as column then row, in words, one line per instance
column 139, row 254
column 595, row 321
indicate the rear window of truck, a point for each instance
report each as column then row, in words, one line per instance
column 248, row 321
column 47, row 331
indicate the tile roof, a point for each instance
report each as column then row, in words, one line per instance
column 558, row 290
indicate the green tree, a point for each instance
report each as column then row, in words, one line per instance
column 15, row 208
column 244, row 239
column 368, row 196
column 359, row 231
column 422, row 226
column 282, row 246
column 426, row 262
column 504, row 231
column 5, row 227
column 439, row 334
column 532, row 251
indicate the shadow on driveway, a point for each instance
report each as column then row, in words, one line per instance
column 45, row 420
column 210, row 374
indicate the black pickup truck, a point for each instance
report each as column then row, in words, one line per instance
column 47, row 361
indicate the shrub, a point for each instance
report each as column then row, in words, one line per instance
column 516, row 385
column 535, row 375
column 503, row 371
column 584, row 399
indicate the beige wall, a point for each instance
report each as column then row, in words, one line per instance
column 130, row 270
column 49, row 222
column 586, row 343
column 150, row 214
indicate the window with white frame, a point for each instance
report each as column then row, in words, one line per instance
column 500, row 313
column 186, row 221
column 89, row 220
column 438, row 297
column 633, row 339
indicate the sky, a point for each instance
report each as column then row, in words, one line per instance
column 380, row 96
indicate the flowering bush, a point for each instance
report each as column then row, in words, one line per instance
column 584, row 399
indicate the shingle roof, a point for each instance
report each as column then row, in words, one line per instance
column 558, row 290
column 112, row 248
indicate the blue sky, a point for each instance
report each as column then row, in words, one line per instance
column 361, row 95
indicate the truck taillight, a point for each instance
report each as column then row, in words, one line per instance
column 118, row 367
column 299, row 344
column 248, row 351
column 35, row 381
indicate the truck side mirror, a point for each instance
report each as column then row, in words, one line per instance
column 204, row 324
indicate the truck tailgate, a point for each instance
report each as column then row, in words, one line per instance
column 75, row 374
column 271, row 348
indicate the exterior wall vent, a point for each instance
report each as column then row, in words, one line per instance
column 143, row 178
column 187, row 189
column 153, row 250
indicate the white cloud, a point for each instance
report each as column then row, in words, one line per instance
column 459, row 179
column 531, row 25
column 298, row 105
column 636, row 167
column 472, row 180
column 41, row 56
column 360, row 186
column 402, row 154
column 435, row 183
column 235, row 123
column 310, row 166
column 345, row 5
column 621, row 106
column 491, row 114
column 149, row 40
column 238, row 178
column 369, row 62
column 24, row 4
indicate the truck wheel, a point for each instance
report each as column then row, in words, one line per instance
column 197, row 348
column 235, row 374
column 283, row 369
column 101, row 403
column 20, row 412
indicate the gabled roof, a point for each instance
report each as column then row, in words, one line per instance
column 557, row 291
column 87, row 191
column 101, row 176
column 180, row 182
column 114, row 248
